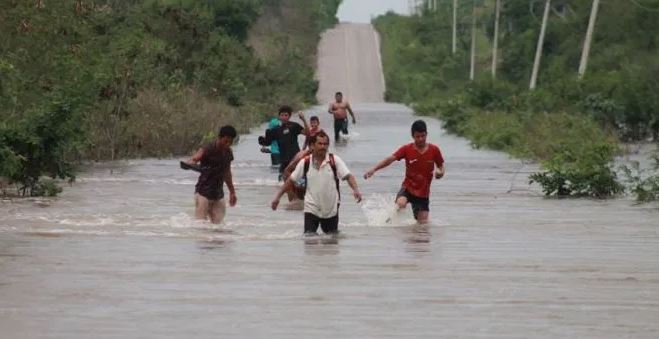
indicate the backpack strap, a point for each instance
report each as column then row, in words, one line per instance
column 307, row 162
column 332, row 163
column 336, row 177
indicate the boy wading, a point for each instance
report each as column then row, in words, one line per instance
column 322, row 198
column 215, row 170
column 286, row 135
column 422, row 160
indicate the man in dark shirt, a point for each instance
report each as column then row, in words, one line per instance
column 214, row 161
column 286, row 136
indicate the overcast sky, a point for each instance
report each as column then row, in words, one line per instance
column 363, row 10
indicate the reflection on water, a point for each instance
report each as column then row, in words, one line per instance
column 419, row 234
column 119, row 253
column 321, row 245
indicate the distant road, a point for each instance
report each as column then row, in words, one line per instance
column 349, row 61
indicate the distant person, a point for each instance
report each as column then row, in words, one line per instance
column 275, row 158
column 314, row 127
column 286, row 136
column 340, row 109
column 214, row 160
column 321, row 172
column 421, row 160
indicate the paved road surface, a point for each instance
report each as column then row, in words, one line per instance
column 349, row 61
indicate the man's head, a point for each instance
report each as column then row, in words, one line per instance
column 226, row 135
column 338, row 96
column 419, row 133
column 319, row 144
column 285, row 113
column 314, row 122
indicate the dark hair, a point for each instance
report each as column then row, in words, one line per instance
column 338, row 93
column 321, row 134
column 314, row 118
column 286, row 109
column 227, row 131
column 419, row 126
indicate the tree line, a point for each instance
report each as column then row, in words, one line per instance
column 496, row 70
column 106, row 79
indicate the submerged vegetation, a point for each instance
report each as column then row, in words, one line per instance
column 571, row 125
column 103, row 79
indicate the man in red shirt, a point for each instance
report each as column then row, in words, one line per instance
column 422, row 160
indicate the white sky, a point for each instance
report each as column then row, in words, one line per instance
column 363, row 10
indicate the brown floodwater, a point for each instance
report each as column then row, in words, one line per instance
column 118, row 254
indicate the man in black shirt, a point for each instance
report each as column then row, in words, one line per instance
column 214, row 161
column 286, row 136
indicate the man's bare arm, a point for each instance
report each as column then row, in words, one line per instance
column 382, row 164
column 440, row 171
column 352, row 182
column 352, row 114
column 288, row 184
column 196, row 157
column 305, row 131
column 228, row 180
column 291, row 167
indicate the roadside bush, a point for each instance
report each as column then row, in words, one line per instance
column 490, row 94
column 496, row 130
column 643, row 183
column 455, row 115
column 45, row 188
column 37, row 146
column 583, row 171
column 602, row 109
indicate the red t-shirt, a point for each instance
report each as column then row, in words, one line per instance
column 419, row 168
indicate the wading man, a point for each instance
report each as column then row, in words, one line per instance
column 340, row 109
column 214, row 161
column 422, row 160
column 286, row 136
column 321, row 172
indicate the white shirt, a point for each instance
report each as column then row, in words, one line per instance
column 321, row 198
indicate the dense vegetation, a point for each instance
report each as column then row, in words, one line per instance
column 572, row 126
column 104, row 79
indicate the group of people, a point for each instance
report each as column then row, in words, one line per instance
column 313, row 173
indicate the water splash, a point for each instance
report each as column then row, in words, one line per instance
column 380, row 210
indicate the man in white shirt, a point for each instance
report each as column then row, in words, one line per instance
column 321, row 172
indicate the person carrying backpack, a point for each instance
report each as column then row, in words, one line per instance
column 320, row 172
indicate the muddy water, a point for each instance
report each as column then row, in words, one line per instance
column 118, row 255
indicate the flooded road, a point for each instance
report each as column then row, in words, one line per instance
column 119, row 255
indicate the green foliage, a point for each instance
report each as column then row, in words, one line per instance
column 454, row 113
column 620, row 89
column 36, row 146
column 643, row 183
column 141, row 78
column 495, row 130
column 582, row 172
column 490, row 95
column 45, row 188
column 570, row 125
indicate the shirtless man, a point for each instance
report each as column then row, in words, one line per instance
column 340, row 110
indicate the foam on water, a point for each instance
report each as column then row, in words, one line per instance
column 381, row 211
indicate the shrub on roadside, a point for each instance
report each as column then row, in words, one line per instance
column 36, row 146
column 643, row 183
column 579, row 171
column 496, row 130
